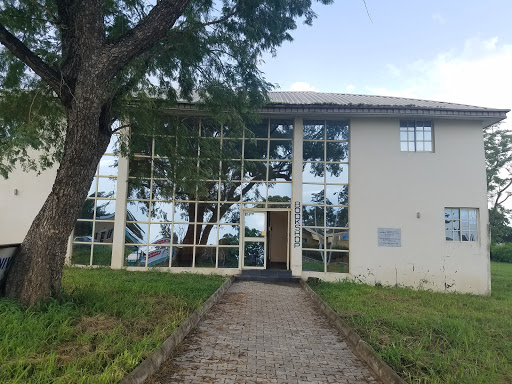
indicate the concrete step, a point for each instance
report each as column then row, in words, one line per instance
column 267, row 275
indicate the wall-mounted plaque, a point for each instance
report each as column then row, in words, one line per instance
column 389, row 237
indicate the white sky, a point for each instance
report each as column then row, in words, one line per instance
column 454, row 51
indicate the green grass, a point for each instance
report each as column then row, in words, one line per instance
column 107, row 323
column 430, row 337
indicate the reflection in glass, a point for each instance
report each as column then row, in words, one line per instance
column 336, row 216
column 182, row 256
column 313, row 193
column 205, row 257
column 113, row 145
column 160, row 234
column 255, row 170
column 337, row 152
column 313, row 150
column 105, row 209
column 279, row 192
column 210, row 129
column 87, row 211
column 337, row 130
column 337, row 239
column 229, row 213
column 280, row 149
column 102, row 254
column 161, row 211
column 81, row 254
column 208, row 190
column 258, row 130
column 163, row 169
column 107, row 187
column 140, row 167
column 104, row 232
column 137, row 210
column 228, row 257
column 313, row 129
column 255, row 192
column 206, row 234
column 337, row 262
column 336, row 195
column 281, row 129
column 83, row 231
column 255, row 149
column 231, row 170
column 313, row 238
column 183, row 234
column 313, row 216
column 254, row 253
column 337, row 173
column 280, row 171
column 108, row 166
column 184, row 212
column 232, row 149
column 206, row 212
column 230, row 191
column 313, row 172
column 229, row 234
column 92, row 189
column 313, row 261
column 255, row 224
column 138, row 189
column 136, row 233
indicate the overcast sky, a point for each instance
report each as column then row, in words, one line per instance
column 445, row 50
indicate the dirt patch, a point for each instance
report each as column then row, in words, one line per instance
column 97, row 324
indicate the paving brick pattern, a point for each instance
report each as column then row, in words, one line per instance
column 264, row 333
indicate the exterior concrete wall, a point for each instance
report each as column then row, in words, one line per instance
column 19, row 210
column 389, row 187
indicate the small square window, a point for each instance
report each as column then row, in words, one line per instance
column 461, row 224
column 416, row 136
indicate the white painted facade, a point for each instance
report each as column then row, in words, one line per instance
column 388, row 188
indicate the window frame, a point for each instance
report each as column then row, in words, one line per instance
column 459, row 221
column 419, row 127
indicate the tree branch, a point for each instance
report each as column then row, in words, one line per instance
column 29, row 58
column 222, row 19
column 46, row 10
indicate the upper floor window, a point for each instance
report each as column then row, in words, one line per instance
column 416, row 136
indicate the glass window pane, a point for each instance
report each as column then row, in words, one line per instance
column 456, row 235
column 279, row 192
column 336, row 194
column 108, row 166
column 137, row 210
column 113, row 145
column 449, row 235
column 280, row 149
column 101, row 254
column 255, row 192
column 464, row 235
column 404, row 146
column 313, row 261
column 83, row 231
column 403, row 136
column 103, row 232
column 428, row 136
column 259, row 130
column 313, row 172
column 228, row 257
column 105, row 209
column 255, row 224
column 107, row 187
column 313, row 150
column 163, row 169
column 140, row 167
column 136, row 233
column 206, row 234
column 184, row 212
column 183, row 234
column 337, row 173
column 280, row 171
column 472, row 225
column 472, row 214
column 207, row 212
column 313, row 238
column 337, row 151
column 255, row 149
column 139, row 189
column 464, row 214
column 448, row 225
column 162, row 189
column 232, row 149
column 455, row 213
column 160, row 234
column 313, row 193
column 336, row 216
column 87, row 211
column 229, row 213
column 419, row 146
column 337, row 239
column 313, row 129
column 133, row 255
column 255, row 170
column 182, row 256
column 229, row 234
column 230, row 191
column 313, row 216
column 337, row 130
column 411, row 147
column 210, row 128
column 281, row 128
column 254, row 253
column 81, row 254
column 337, row 262
column 206, row 257
column 473, row 236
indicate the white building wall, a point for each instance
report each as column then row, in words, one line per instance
column 388, row 188
column 18, row 209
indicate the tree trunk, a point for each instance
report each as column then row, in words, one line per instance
column 37, row 267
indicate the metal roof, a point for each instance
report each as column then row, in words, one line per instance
column 343, row 99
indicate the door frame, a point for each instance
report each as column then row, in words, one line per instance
column 242, row 236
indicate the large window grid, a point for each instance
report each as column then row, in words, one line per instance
column 416, row 136
column 461, row 224
column 194, row 228
column 94, row 229
column 325, row 196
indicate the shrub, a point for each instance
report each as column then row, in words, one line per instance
column 502, row 252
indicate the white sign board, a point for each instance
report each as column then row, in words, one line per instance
column 389, row 237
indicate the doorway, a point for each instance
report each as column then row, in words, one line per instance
column 265, row 239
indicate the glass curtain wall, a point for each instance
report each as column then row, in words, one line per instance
column 196, row 222
column 94, row 229
column 325, row 231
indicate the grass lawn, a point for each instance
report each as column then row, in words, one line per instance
column 107, row 323
column 430, row 337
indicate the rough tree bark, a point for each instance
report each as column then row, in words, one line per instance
column 83, row 83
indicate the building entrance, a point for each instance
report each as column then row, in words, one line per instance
column 265, row 239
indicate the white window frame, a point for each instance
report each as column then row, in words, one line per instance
column 461, row 220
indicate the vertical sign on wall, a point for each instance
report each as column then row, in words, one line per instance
column 296, row 216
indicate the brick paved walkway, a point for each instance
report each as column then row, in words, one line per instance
column 264, row 333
